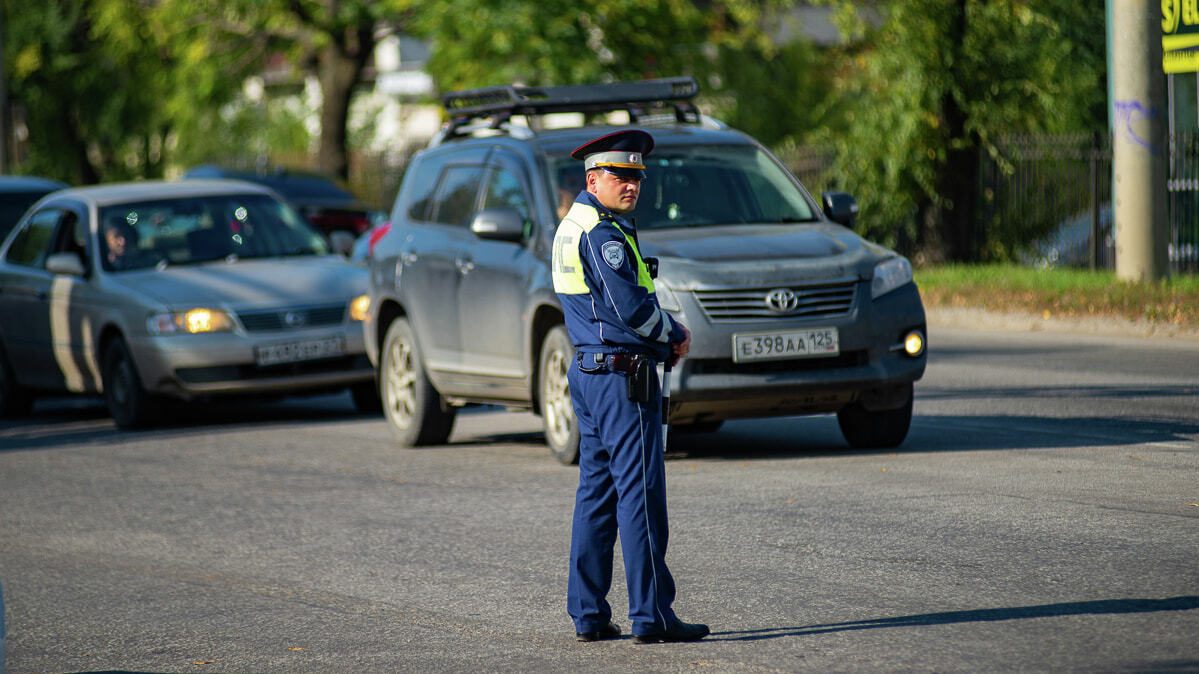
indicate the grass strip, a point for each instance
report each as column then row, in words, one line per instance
column 1066, row 293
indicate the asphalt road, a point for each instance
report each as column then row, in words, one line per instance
column 1043, row 515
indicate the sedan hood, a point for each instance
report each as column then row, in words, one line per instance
column 243, row 284
column 760, row 254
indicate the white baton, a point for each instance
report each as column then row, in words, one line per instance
column 665, row 402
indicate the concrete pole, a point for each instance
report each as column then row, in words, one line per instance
column 1139, row 142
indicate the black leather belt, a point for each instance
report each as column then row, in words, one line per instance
column 613, row 362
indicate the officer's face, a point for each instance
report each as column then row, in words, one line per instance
column 615, row 192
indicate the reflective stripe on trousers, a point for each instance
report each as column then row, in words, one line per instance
column 622, row 489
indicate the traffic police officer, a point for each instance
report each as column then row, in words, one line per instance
column 620, row 334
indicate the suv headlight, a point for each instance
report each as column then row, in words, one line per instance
column 359, row 307
column 666, row 298
column 192, row 321
column 889, row 275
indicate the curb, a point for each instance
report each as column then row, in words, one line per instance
column 982, row 319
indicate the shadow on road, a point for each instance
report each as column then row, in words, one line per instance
column 64, row 421
column 1098, row 607
column 819, row 436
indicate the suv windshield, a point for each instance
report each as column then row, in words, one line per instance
column 199, row 229
column 703, row 185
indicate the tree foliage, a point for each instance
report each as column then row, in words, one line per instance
column 544, row 42
column 930, row 88
column 90, row 79
column 910, row 105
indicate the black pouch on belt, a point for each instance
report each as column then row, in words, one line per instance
column 640, row 382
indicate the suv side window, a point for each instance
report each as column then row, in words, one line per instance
column 29, row 247
column 421, row 192
column 505, row 191
column 457, row 195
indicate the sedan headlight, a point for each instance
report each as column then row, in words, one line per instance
column 192, row 321
column 889, row 275
column 359, row 307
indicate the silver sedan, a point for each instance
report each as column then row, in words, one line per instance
column 149, row 290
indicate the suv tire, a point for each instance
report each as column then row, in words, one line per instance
column 879, row 429
column 414, row 409
column 553, row 393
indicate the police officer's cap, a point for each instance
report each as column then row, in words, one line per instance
column 619, row 153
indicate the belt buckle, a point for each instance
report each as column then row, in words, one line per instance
column 622, row 362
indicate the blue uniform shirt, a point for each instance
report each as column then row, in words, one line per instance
column 605, row 288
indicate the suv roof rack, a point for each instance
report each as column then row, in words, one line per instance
column 502, row 102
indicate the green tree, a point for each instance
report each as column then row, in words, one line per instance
column 542, row 42
column 779, row 94
column 333, row 38
column 928, row 90
column 88, row 78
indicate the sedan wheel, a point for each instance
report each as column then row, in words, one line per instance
column 15, row 400
column 557, row 412
column 414, row 409
column 128, row 403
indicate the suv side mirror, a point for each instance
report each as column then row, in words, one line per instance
column 840, row 207
column 499, row 224
column 65, row 263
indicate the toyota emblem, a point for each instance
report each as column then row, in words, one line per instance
column 294, row 319
column 781, row 300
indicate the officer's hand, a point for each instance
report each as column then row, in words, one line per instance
column 680, row 349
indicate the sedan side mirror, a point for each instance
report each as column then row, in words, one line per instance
column 840, row 207
column 499, row 224
column 342, row 241
column 68, row 264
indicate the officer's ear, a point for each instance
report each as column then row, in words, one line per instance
column 592, row 176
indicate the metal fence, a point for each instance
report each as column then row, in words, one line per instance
column 1045, row 200
column 1183, row 193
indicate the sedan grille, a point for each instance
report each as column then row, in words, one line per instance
column 292, row 319
column 753, row 304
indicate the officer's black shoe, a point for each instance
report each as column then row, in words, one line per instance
column 677, row 631
column 609, row 631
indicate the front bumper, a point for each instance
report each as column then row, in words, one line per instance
column 871, row 367
column 190, row 366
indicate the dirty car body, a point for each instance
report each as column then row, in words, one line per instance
column 790, row 311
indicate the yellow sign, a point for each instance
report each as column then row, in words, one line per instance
column 1180, row 36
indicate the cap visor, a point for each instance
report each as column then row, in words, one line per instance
column 625, row 172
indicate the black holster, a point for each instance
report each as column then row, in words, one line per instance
column 639, row 381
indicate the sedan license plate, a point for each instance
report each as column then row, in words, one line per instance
column 290, row 352
column 788, row 344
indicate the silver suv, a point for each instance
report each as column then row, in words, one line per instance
column 790, row 311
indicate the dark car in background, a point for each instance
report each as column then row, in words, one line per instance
column 790, row 311
column 327, row 205
column 17, row 194
column 185, row 290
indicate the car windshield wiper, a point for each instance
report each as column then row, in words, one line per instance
column 787, row 220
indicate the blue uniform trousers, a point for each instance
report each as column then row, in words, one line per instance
column 622, row 488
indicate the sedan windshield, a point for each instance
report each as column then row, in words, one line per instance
column 702, row 185
column 199, row 229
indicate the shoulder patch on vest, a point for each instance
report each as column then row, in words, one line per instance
column 613, row 254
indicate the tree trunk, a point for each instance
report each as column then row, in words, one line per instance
column 339, row 67
column 947, row 228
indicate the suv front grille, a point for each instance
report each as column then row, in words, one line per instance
column 288, row 319
column 752, row 304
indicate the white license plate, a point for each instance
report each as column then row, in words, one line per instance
column 786, row 344
column 290, row 352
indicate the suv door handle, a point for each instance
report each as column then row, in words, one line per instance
column 465, row 265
